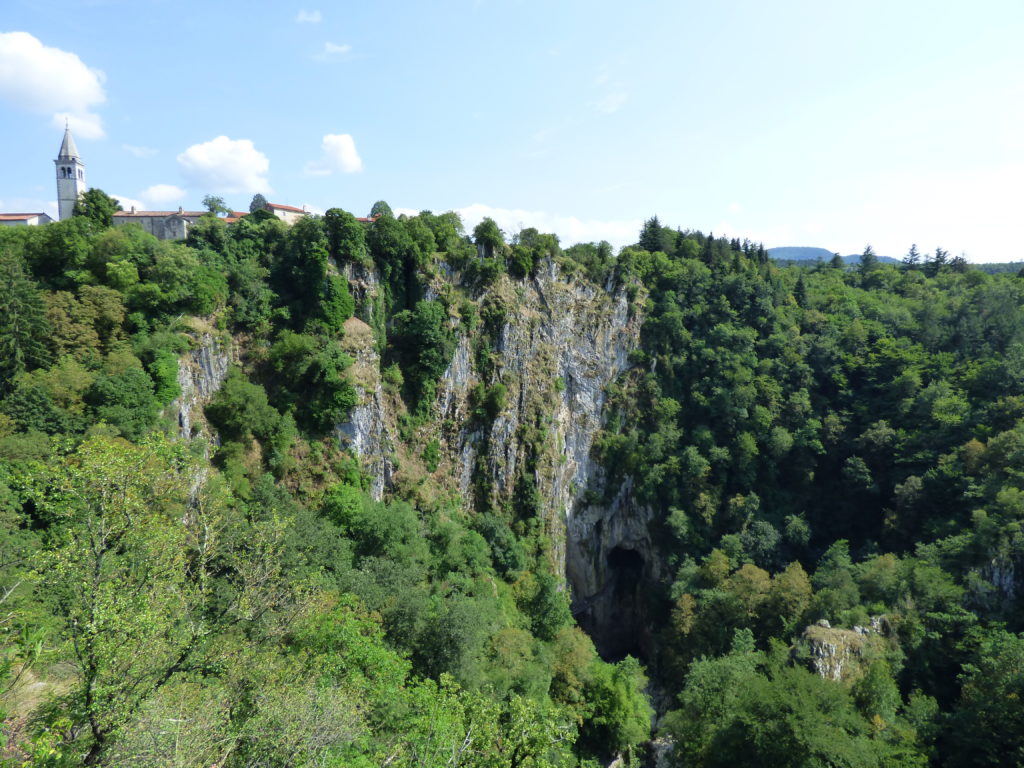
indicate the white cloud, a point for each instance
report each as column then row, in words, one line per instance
column 86, row 124
column 340, row 150
column 569, row 229
column 308, row 17
column 44, row 80
column 338, row 153
column 232, row 166
column 139, row 152
column 127, row 203
column 333, row 49
column 162, row 194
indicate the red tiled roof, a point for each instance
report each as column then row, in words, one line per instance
column 292, row 208
column 18, row 216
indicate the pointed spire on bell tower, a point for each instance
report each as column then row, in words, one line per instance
column 68, row 150
column 70, row 175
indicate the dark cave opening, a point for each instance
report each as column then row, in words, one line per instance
column 615, row 618
column 623, row 559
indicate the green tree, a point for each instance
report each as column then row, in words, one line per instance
column 987, row 727
column 23, row 324
column 215, row 205
column 346, row 237
column 620, row 715
column 654, row 237
column 868, row 260
column 97, row 206
column 336, row 303
column 488, row 237
column 425, row 345
column 913, row 258
column 259, row 203
column 129, row 570
column 240, row 409
column 125, row 400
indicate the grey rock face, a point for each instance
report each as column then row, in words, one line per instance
column 562, row 342
column 201, row 372
column 368, row 431
column 838, row 654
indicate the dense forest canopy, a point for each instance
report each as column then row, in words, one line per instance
column 831, row 454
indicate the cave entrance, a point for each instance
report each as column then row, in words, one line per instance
column 624, row 559
column 616, row 621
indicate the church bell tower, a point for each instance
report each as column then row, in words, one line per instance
column 70, row 176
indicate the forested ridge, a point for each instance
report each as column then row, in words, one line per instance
column 831, row 459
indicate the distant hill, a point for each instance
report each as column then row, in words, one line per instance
column 807, row 253
column 799, row 253
column 1001, row 267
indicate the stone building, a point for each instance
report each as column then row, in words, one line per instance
column 289, row 214
column 164, row 225
column 24, row 219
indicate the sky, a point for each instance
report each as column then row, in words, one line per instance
column 792, row 123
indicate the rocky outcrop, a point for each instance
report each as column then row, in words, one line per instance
column 201, row 371
column 368, row 431
column 838, row 654
column 999, row 582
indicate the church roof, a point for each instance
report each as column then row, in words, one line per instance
column 68, row 150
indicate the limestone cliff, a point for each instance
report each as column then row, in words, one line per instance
column 553, row 344
column 556, row 345
column 369, row 431
column 201, row 371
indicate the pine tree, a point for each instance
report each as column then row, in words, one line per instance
column 23, row 324
column 868, row 260
column 913, row 258
column 800, row 292
column 650, row 235
column 259, row 203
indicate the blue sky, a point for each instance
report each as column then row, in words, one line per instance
column 795, row 123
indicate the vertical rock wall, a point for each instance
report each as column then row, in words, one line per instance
column 562, row 342
column 369, row 430
column 201, row 371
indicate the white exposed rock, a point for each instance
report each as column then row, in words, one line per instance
column 368, row 431
column 201, row 372
column 836, row 654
